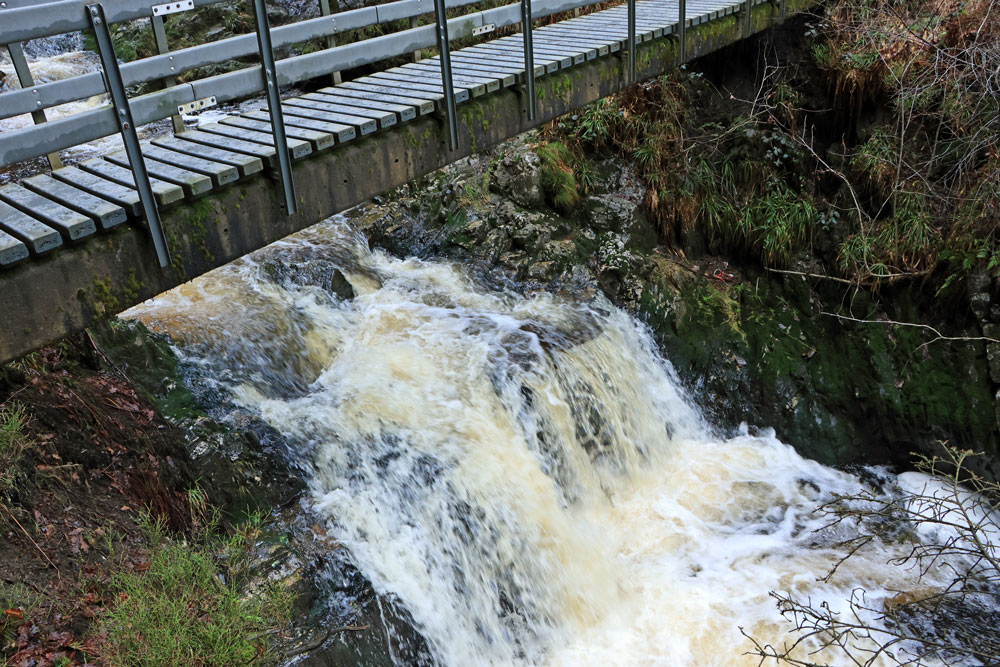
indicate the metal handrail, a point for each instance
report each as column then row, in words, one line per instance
column 29, row 142
column 155, row 68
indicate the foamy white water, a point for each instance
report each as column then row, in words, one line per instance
column 524, row 473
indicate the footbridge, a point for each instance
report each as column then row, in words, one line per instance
column 82, row 241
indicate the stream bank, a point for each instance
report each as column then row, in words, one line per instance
column 752, row 305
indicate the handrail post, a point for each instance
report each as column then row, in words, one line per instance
column 25, row 80
column 160, row 37
column 682, row 29
column 274, row 103
column 747, row 6
column 415, row 23
column 444, row 49
column 119, row 100
column 631, row 41
column 529, row 56
column 331, row 41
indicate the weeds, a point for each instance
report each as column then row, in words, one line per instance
column 14, row 442
column 192, row 605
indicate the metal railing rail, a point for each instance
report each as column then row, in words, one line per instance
column 61, row 133
column 162, row 66
column 123, row 114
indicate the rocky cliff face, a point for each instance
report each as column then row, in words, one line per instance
column 817, row 359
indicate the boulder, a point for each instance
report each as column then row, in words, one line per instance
column 519, row 176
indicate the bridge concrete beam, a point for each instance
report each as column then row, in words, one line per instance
column 45, row 300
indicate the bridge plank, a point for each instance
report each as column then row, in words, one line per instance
column 37, row 237
column 245, row 164
column 165, row 193
column 221, row 174
column 514, row 43
column 511, row 73
column 493, row 82
column 72, row 225
column 422, row 106
column 644, row 31
column 584, row 46
column 293, row 119
column 411, row 80
column 493, row 50
column 415, row 84
column 125, row 197
column 296, row 147
column 506, row 64
column 193, row 184
column 267, row 154
column 318, row 141
column 403, row 112
column 494, row 76
column 613, row 41
column 12, row 250
column 383, row 118
column 367, row 86
column 106, row 214
column 320, row 111
column 476, row 86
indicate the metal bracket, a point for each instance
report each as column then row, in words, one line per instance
column 266, row 51
column 197, row 105
column 529, row 56
column 173, row 7
column 119, row 100
column 444, row 49
column 483, row 29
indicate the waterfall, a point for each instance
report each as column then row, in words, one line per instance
column 523, row 472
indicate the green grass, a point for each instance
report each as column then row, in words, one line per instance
column 14, row 442
column 558, row 176
column 192, row 606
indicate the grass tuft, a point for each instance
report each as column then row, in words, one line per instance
column 192, row 607
column 14, row 443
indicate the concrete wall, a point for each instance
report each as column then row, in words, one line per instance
column 42, row 301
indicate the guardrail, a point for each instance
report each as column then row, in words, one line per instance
column 27, row 143
column 22, row 20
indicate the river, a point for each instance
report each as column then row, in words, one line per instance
column 523, row 472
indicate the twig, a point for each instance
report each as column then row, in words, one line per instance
column 4, row 401
column 319, row 641
column 939, row 335
column 28, row 535
column 815, row 275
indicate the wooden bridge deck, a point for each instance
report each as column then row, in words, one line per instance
column 43, row 217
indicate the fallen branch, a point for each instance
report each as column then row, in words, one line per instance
column 319, row 641
column 816, row 275
column 31, row 539
column 940, row 336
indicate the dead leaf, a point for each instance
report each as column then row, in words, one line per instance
column 16, row 614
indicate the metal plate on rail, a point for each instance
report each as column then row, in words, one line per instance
column 483, row 29
column 173, row 7
column 197, row 105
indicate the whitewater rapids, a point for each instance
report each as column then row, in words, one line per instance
column 524, row 473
